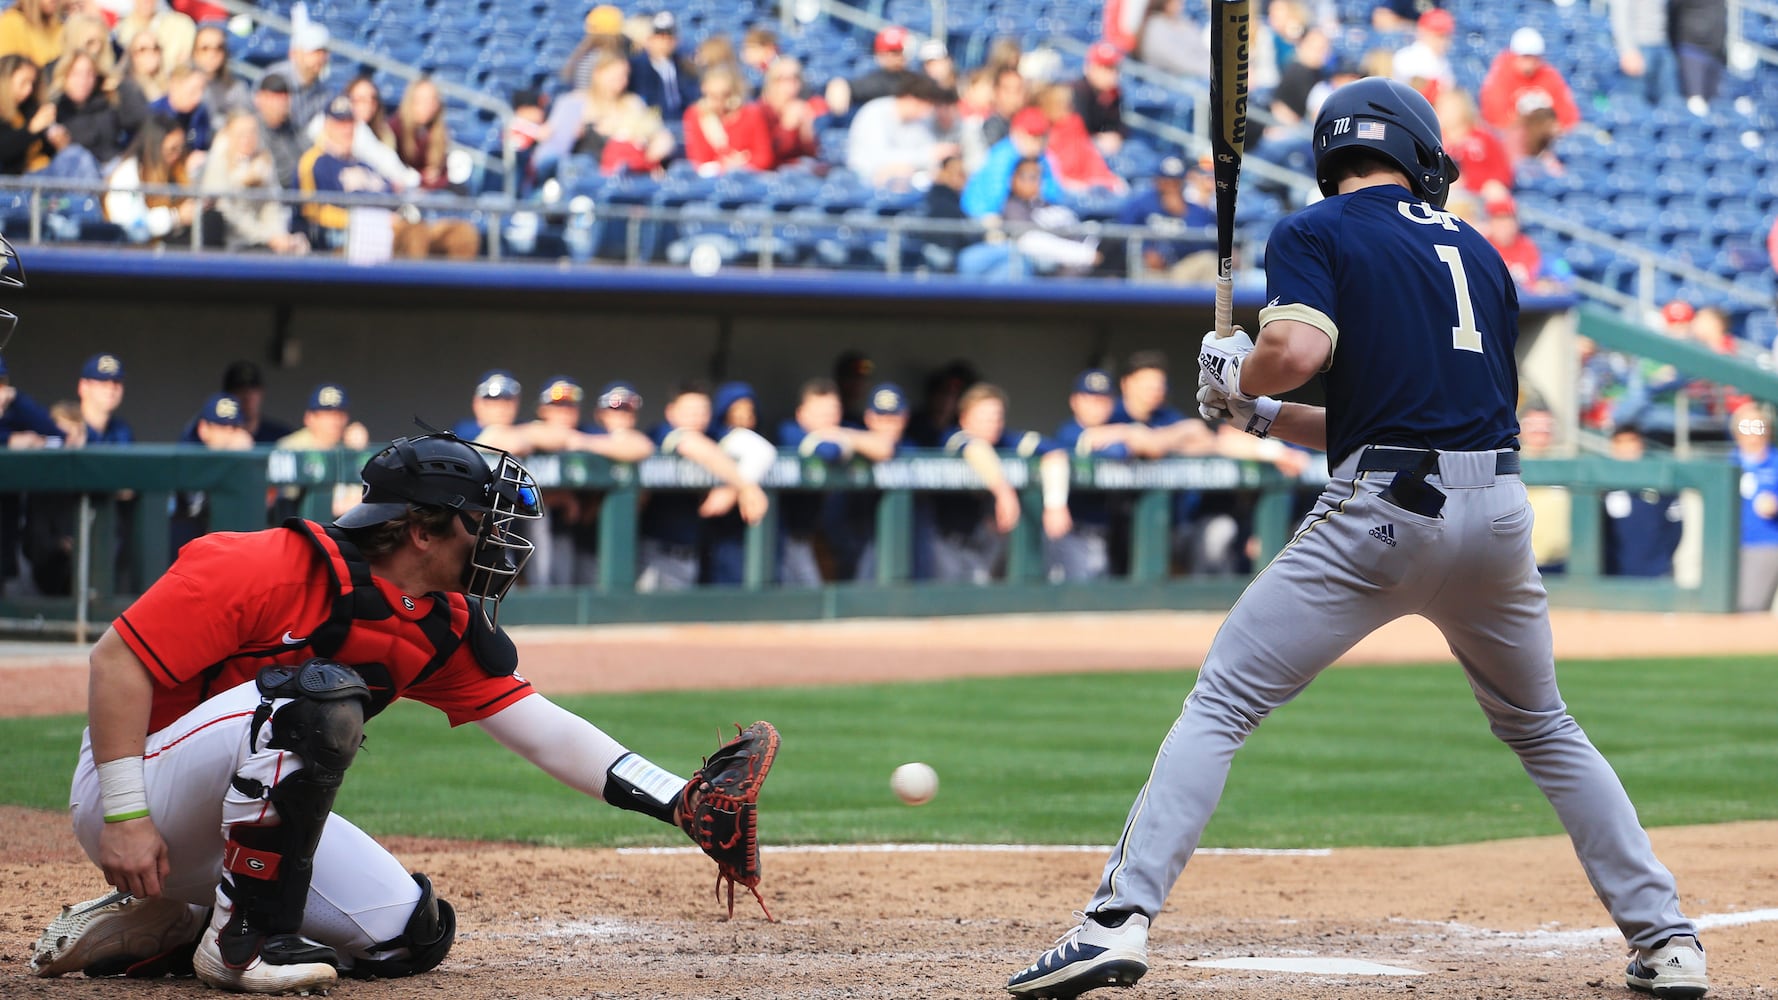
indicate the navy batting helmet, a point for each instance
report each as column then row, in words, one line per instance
column 1389, row 120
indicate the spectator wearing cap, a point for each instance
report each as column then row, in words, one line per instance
column 1525, row 98
column 331, row 165
column 880, row 437
column 734, row 425
column 1169, row 41
column 937, row 64
column 986, row 192
column 327, row 424
column 1425, row 63
column 1099, row 99
column 100, row 392
column 1642, row 527
column 671, row 526
column 818, row 430
column 1758, row 583
column 1485, row 168
column 1531, row 271
column 884, row 79
column 220, row 425
column 659, row 75
column 892, row 140
column 244, row 382
column 1169, row 252
column 305, row 72
column 604, row 33
column 278, row 133
column 494, row 403
column 1081, row 553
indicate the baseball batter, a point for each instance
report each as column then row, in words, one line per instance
column 230, row 699
column 1409, row 318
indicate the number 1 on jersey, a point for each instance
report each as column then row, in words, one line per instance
column 1464, row 336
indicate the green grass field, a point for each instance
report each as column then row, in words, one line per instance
column 1368, row 756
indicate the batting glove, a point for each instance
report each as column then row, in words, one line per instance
column 1219, row 361
column 1254, row 415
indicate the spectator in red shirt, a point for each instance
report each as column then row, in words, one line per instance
column 1098, row 98
column 1523, row 259
column 723, row 131
column 790, row 117
column 1484, row 165
column 1076, row 160
column 1525, row 97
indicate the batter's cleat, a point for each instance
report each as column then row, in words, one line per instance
column 1104, row 949
column 282, row 964
column 118, row 935
column 1672, row 970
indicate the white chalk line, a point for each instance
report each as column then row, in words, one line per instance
column 1591, row 935
column 1256, row 852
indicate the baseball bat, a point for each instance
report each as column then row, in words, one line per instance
column 1229, row 23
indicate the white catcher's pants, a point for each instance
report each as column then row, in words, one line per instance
column 360, row 893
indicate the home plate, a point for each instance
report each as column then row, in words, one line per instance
column 1311, row 966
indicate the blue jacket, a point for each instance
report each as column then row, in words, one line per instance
column 646, row 83
column 986, row 191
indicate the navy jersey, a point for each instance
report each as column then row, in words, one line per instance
column 960, row 513
column 1422, row 313
column 26, row 414
column 1642, row 531
column 670, row 516
column 116, row 432
column 1089, row 507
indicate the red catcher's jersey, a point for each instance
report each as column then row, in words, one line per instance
column 234, row 602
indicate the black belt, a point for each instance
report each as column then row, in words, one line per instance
column 1506, row 463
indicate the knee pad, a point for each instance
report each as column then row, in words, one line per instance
column 428, row 937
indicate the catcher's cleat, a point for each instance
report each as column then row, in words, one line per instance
column 118, row 935
column 1673, row 970
column 282, row 964
column 718, row 808
column 1090, row 955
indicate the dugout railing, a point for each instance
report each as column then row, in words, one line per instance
column 241, row 486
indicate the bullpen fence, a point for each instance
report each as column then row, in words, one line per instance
column 121, row 498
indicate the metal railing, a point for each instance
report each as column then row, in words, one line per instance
column 647, row 231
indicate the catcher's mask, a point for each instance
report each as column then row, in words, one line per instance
column 486, row 488
column 12, row 275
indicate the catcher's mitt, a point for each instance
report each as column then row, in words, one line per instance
column 718, row 808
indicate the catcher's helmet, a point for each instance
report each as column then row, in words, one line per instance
column 12, row 275
column 444, row 472
column 1386, row 119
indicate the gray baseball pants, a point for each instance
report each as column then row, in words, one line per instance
column 1356, row 563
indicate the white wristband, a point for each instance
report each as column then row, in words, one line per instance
column 1053, row 476
column 1265, row 410
column 123, row 791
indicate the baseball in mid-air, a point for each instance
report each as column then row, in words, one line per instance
column 914, row 783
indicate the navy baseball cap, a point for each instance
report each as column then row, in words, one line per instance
column 887, row 399
column 561, row 390
column 497, row 383
column 329, row 396
column 223, row 409
column 1170, row 166
column 1093, row 382
column 103, row 368
column 340, row 108
column 727, row 395
column 620, row 395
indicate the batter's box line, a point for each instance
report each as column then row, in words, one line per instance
column 1254, row 852
column 1591, row 935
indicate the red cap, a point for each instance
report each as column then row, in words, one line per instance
column 892, row 39
column 1438, row 21
column 1031, row 122
column 1104, row 54
column 1502, row 205
column 1677, row 311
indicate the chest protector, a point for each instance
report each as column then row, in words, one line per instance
column 393, row 653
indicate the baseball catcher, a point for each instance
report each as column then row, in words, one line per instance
column 229, row 702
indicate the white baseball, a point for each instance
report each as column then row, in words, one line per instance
column 914, row 783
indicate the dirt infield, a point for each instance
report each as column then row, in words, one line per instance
column 1508, row 918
